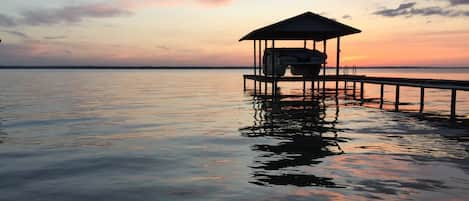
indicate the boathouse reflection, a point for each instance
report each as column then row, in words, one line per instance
column 303, row 133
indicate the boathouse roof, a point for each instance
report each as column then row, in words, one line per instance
column 307, row 26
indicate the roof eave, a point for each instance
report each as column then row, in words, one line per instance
column 312, row 36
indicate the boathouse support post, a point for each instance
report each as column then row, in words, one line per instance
column 318, row 81
column 398, row 89
column 318, row 84
column 312, row 88
column 422, row 99
column 265, row 75
column 324, row 69
column 354, row 87
column 254, row 67
column 312, row 82
column 260, row 65
column 345, row 85
column 305, row 45
column 453, row 104
column 274, row 83
column 381, row 99
column 304, row 86
column 338, row 64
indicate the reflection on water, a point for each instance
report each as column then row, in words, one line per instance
column 194, row 135
column 322, row 141
column 303, row 135
column 2, row 136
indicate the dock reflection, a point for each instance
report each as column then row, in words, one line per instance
column 303, row 134
column 3, row 135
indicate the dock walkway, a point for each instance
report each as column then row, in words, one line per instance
column 453, row 85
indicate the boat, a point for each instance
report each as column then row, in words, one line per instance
column 302, row 61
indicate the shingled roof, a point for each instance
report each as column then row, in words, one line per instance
column 307, row 26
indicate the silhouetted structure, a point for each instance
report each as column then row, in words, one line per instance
column 312, row 27
column 308, row 27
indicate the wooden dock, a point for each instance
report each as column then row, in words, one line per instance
column 423, row 84
column 313, row 28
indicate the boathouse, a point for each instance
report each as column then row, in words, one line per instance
column 305, row 27
column 313, row 27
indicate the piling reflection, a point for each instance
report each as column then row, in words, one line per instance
column 303, row 133
column 3, row 135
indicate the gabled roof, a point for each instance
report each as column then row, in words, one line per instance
column 307, row 26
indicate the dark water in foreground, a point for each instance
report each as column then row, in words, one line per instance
column 194, row 135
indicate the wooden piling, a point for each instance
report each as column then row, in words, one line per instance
column 273, row 68
column 397, row 98
column 324, row 48
column 354, row 89
column 453, row 104
column 337, row 63
column 381, row 100
column 319, row 85
column 312, row 87
column 362, row 91
column 244, row 83
column 255, row 67
column 260, row 64
column 345, row 85
column 422, row 99
column 304, row 85
column 265, row 75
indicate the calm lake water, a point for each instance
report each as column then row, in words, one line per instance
column 195, row 135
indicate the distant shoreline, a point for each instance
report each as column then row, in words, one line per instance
column 192, row 67
column 124, row 67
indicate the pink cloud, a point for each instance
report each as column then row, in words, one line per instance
column 156, row 3
column 214, row 2
column 78, row 13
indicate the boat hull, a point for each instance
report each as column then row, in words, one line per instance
column 306, row 70
column 302, row 61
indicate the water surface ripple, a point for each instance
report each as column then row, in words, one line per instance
column 195, row 135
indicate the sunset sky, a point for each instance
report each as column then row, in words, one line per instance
column 206, row 32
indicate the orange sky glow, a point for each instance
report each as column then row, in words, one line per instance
column 206, row 32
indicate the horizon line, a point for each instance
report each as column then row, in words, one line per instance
column 144, row 67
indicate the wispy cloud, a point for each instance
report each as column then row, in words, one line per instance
column 71, row 14
column 346, row 17
column 7, row 21
column 16, row 33
column 402, row 9
column 78, row 13
column 66, row 14
column 214, row 2
column 410, row 9
column 163, row 47
column 458, row 2
column 54, row 37
column 158, row 3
